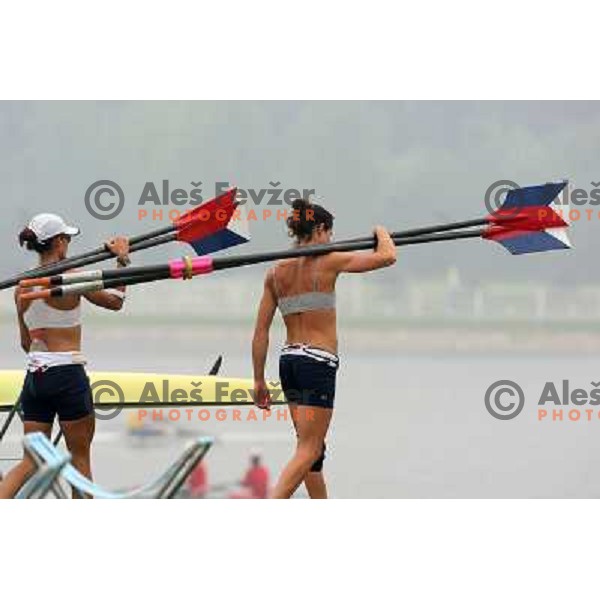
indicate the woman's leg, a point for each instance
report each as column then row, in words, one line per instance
column 314, row 482
column 311, row 425
column 78, row 437
column 315, row 485
column 19, row 474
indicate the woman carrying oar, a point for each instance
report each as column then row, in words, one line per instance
column 304, row 290
column 56, row 383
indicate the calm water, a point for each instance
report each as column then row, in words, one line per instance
column 404, row 426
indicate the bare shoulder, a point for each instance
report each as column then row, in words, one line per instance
column 269, row 272
column 268, row 275
column 284, row 262
column 335, row 261
column 268, row 281
column 280, row 266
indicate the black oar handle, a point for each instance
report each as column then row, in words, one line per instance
column 124, row 280
column 159, row 270
column 138, row 242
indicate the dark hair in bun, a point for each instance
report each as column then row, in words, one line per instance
column 306, row 217
column 28, row 239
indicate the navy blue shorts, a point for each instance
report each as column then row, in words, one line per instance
column 62, row 391
column 307, row 381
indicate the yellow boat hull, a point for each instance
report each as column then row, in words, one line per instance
column 136, row 390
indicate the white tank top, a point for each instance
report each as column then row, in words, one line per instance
column 40, row 315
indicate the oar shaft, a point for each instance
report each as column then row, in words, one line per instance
column 202, row 265
column 80, row 277
column 139, row 242
column 167, row 234
column 229, row 262
column 102, row 254
column 422, row 230
column 456, row 225
column 98, row 284
column 96, row 275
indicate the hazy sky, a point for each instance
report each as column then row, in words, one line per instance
column 396, row 163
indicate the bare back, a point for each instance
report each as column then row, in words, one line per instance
column 54, row 325
column 299, row 276
column 52, row 339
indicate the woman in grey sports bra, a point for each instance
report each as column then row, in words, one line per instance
column 303, row 289
column 56, row 384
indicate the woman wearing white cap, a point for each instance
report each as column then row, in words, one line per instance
column 56, row 383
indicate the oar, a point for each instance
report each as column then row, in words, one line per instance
column 527, row 207
column 519, row 205
column 190, row 267
column 207, row 228
column 538, row 229
column 89, row 281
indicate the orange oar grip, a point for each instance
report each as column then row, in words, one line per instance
column 41, row 282
column 37, row 295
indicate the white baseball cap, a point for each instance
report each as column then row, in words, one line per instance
column 47, row 225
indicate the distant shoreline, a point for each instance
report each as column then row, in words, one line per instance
column 383, row 336
column 137, row 321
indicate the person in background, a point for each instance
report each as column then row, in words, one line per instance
column 256, row 479
column 197, row 483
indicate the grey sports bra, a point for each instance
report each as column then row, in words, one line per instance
column 40, row 315
column 307, row 301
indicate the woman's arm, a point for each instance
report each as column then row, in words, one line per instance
column 384, row 255
column 113, row 299
column 109, row 299
column 22, row 306
column 260, row 343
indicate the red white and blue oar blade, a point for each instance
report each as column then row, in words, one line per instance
column 519, row 241
column 210, row 227
column 533, row 207
column 235, row 233
column 533, row 195
column 530, row 220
